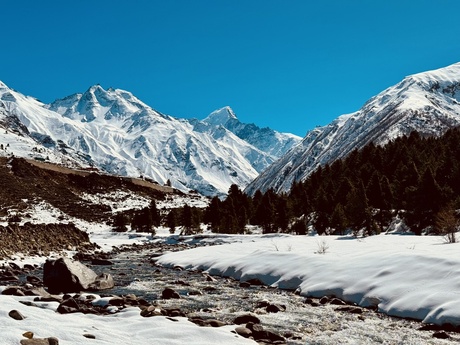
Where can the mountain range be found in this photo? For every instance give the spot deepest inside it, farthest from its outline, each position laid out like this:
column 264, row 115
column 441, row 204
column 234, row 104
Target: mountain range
column 427, row 102
column 117, row 133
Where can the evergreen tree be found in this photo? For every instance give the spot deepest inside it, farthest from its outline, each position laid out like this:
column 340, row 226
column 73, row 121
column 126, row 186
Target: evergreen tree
column 171, row 221
column 321, row 223
column 120, row 222
column 300, row 227
column 426, row 199
column 374, row 191
column 357, row 208
column 186, row 220
column 256, row 200
column 282, row 214
column 213, row 214
column 339, row 220
column 266, row 212
column 142, row 221
column 155, row 214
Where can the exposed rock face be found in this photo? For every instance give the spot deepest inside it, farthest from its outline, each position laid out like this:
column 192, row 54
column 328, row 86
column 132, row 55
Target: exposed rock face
column 66, row 275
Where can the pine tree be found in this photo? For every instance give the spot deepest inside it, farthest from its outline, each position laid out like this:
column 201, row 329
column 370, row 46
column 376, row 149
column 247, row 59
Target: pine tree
column 282, row 214
column 213, row 214
column 142, row 221
column 357, row 208
column 155, row 214
column 266, row 212
column 299, row 227
column 321, row 223
column 186, row 220
column 120, row 222
column 339, row 220
column 426, row 199
column 171, row 221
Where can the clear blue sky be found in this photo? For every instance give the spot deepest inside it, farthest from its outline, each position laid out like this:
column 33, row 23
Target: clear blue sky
column 289, row 65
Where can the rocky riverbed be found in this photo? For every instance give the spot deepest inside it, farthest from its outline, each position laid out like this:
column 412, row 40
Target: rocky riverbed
column 279, row 317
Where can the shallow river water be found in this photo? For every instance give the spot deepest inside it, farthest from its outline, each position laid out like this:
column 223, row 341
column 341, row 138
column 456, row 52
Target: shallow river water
column 223, row 299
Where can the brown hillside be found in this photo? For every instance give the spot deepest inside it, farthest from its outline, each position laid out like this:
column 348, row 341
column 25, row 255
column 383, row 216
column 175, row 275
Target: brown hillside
column 23, row 182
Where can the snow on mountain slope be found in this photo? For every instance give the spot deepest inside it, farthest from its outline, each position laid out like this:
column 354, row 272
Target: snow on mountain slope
column 21, row 137
column 267, row 140
column 141, row 141
column 116, row 132
column 427, row 102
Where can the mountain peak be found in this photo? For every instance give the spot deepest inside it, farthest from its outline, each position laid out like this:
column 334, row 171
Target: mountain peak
column 220, row 116
column 96, row 91
column 427, row 102
column 96, row 87
column 3, row 85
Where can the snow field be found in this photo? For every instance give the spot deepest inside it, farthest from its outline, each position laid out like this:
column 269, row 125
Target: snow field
column 405, row 276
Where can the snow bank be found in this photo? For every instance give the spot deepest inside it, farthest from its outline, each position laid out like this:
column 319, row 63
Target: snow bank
column 126, row 327
column 406, row 276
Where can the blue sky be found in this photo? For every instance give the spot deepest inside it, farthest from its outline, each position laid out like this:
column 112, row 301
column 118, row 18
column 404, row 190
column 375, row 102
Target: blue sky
column 289, row 65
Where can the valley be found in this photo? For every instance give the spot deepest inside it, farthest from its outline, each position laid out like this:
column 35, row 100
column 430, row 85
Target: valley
column 349, row 233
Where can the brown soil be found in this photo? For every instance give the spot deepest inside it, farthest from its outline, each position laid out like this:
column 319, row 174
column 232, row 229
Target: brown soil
column 23, row 182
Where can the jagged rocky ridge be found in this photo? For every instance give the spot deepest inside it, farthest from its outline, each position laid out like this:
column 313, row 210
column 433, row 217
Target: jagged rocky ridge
column 427, row 102
column 119, row 134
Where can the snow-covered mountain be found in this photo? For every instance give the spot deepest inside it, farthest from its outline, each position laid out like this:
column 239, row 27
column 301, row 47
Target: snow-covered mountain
column 265, row 139
column 117, row 133
column 427, row 102
column 21, row 137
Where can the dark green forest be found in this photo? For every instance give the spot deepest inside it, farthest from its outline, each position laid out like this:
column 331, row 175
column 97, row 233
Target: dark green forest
column 414, row 178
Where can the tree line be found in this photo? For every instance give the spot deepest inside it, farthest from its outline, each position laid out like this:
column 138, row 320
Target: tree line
column 148, row 218
column 414, row 178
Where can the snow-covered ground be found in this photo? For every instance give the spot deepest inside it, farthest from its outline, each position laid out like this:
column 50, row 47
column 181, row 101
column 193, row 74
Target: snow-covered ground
column 403, row 275
column 126, row 327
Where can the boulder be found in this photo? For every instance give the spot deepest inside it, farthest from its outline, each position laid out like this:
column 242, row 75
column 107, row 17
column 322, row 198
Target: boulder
column 337, row 301
column 324, row 300
column 66, row 275
column 40, row 341
column 274, row 308
column 243, row 331
column 245, row 319
column 268, row 337
column 14, row 290
column 103, row 281
column 169, row 293
column 101, row 262
column 255, row 281
column 441, row 335
column 14, row 314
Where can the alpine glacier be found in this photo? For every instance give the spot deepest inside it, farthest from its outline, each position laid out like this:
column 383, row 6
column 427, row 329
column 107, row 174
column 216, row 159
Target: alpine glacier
column 427, row 102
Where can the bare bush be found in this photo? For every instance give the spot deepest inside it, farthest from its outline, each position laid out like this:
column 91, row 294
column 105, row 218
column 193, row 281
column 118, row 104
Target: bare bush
column 323, row 247
column 447, row 223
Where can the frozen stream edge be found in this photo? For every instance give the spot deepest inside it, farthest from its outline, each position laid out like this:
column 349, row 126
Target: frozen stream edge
column 312, row 325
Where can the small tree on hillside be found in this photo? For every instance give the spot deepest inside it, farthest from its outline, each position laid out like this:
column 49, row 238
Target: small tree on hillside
column 142, row 221
column 119, row 222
